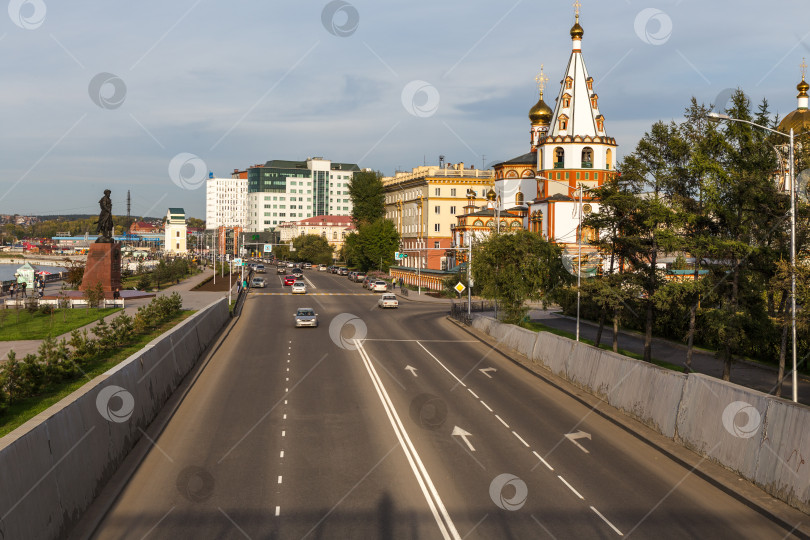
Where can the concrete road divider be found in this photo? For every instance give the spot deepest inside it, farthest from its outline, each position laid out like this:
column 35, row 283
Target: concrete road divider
column 783, row 469
column 762, row 438
column 54, row 465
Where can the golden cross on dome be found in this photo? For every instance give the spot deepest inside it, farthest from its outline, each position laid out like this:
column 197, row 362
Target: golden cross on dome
column 541, row 80
column 577, row 5
column 802, row 66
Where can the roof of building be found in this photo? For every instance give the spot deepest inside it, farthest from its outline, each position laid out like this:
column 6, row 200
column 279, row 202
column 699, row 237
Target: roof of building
column 330, row 220
column 287, row 164
column 490, row 212
column 526, row 159
column 177, row 211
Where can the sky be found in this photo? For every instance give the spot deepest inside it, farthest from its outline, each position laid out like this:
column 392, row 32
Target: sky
column 150, row 96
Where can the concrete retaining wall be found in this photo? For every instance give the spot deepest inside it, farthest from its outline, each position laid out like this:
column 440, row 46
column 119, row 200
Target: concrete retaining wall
column 55, row 465
column 762, row 438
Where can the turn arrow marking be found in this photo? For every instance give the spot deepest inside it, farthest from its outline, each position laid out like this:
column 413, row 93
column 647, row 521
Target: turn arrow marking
column 458, row 432
column 578, row 435
column 486, row 371
column 412, row 370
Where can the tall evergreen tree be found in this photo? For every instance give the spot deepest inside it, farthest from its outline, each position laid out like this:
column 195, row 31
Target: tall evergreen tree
column 368, row 197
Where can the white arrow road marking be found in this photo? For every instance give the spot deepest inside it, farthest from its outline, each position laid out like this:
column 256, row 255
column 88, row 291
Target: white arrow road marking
column 578, row 435
column 486, row 371
column 458, row 432
column 412, row 370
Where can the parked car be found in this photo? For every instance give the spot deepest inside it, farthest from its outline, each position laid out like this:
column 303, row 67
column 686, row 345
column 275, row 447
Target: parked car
column 380, row 286
column 306, row 317
column 299, row 287
column 388, row 300
column 322, row 268
column 344, row 271
column 351, row 275
column 365, row 281
column 359, row 277
column 289, row 280
column 258, row 282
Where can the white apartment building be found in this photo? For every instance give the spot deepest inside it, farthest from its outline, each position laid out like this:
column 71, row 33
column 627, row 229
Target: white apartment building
column 281, row 191
column 226, row 202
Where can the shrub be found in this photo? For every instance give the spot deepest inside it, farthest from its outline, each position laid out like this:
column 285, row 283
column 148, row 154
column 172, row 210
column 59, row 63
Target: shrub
column 144, row 282
column 83, row 346
column 31, row 305
column 121, row 329
column 46, row 309
column 33, row 374
column 14, row 381
column 104, row 335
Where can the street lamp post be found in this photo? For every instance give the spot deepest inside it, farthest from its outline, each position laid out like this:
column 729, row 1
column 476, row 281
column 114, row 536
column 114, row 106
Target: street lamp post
column 718, row 117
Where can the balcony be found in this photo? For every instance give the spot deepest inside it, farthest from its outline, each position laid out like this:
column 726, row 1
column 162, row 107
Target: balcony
column 587, row 164
column 559, row 165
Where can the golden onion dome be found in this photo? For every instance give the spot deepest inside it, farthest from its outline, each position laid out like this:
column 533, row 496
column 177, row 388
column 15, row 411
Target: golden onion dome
column 803, row 87
column 540, row 113
column 576, row 30
column 519, row 198
column 799, row 120
column 491, row 195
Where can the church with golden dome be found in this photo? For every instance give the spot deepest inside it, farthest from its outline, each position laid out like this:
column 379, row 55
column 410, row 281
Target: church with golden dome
column 799, row 122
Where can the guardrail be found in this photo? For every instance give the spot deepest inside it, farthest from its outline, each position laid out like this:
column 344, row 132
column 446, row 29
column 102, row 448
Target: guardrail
column 459, row 310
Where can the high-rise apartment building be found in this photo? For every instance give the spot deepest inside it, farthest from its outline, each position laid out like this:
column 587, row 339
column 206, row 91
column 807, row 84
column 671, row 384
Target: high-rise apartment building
column 281, row 191
column 226, row 202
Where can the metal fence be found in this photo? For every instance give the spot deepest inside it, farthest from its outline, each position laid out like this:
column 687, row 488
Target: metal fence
column 459, row 310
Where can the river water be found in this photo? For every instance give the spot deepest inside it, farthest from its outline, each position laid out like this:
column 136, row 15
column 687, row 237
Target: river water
column 7, row 270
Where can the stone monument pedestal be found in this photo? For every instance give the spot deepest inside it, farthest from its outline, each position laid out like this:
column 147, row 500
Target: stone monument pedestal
column 103, row 266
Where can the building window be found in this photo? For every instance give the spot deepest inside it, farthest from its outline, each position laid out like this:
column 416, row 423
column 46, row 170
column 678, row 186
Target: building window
column 177, row 234
column 453, row 210
column 587, row 157
column 559, row 159
column 437, row 192
column 593, row 101
column 452, row 192
column 566, row 101
column 435, row 227
column 437, row 209
column 436, row 245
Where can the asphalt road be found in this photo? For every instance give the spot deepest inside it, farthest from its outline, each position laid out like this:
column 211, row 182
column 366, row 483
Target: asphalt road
column 398, row 424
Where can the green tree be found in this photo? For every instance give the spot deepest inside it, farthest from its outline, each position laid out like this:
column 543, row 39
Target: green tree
column 313, row 248
column 516, row 267
column 377, row 242
column 368, row 197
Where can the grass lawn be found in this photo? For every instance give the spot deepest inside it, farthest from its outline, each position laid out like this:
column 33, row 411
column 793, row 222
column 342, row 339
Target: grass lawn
column 17, row 324
column 22, row 411
column 538, row 327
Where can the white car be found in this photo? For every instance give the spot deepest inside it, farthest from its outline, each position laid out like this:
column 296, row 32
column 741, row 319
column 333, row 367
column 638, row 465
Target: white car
column 299, row 287
column 258, row 282
column 306, row 317
column 380, row 286
column 388, row 300
column 322, row 268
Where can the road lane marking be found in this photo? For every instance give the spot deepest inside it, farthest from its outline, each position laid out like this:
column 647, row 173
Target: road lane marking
column 520, row 439
column 538, row 456
column 279, row 479
column 308, row 281
column 283, row 433
column 486, row 371
column 578, row 435
column 612, row 526
column 473, row 393
column 571, row 487
column 284, row 417
column 281, row 454
column 445, row 367
column 502, row 422
column 439, row 511
column 458, row 432
column 487, row 406
column 425, row 340
column 278, row 510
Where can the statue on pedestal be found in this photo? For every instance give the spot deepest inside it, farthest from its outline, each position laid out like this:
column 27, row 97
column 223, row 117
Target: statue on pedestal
column 105, row 221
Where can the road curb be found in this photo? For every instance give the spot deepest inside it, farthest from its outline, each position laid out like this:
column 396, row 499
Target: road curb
column 723, row 479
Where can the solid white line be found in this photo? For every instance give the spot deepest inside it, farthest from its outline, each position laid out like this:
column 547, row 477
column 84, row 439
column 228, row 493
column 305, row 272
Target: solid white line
column 308, row 281
column 501, row 419
column 612, row 526
column 485, row 405
column 520, row 439
column 445, row 367
column 278, row 510
column 473, row 393
column 571, row 487
column 543, row 460
column 445, row 523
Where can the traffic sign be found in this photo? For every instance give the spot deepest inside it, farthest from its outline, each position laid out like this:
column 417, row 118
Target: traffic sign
column 460, row 287
column 268, row 248
column 399, row 255
column 237, row 262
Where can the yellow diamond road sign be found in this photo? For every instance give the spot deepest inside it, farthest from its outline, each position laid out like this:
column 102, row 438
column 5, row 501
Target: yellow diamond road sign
column 460, row 287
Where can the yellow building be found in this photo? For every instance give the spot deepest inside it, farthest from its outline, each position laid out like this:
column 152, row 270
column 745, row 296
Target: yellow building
column 424, row 203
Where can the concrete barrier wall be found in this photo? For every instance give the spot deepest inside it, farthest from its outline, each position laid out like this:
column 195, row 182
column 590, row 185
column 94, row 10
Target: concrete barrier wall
column 762, row 438
column 55, row 465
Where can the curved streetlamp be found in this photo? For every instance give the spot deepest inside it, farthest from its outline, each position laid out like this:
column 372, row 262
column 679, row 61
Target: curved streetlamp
column 720, row 117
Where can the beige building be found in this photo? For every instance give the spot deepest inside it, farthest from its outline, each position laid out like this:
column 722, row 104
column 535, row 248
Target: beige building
column 175, row 231
column 424, row 203
column 334, row 229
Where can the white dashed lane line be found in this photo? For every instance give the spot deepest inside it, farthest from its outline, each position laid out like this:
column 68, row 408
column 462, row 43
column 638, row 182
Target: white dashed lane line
column 612, row 526
column 571, row 487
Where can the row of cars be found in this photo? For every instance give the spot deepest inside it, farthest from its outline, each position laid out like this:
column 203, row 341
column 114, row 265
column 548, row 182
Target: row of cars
column 387, row 299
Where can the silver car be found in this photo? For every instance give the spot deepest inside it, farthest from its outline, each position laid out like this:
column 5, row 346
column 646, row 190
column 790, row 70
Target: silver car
column 306, row 317
column 258, row 282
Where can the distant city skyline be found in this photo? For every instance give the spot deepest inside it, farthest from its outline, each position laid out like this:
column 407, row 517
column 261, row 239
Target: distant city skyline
column 150, row 97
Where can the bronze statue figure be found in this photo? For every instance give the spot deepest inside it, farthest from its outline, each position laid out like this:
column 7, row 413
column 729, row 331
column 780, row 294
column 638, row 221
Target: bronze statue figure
column 105, row 221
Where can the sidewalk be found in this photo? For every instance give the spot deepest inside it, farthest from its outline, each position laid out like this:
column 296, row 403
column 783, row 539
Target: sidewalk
column 744, row 373
column 191, row 300
column 414, row 296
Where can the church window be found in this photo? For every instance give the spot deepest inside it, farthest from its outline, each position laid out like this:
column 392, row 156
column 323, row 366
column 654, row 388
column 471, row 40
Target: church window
column 589, row 82
column 559, row 158
column 608, row 158
column 587, row 157
column 478, row 223
column 566, row 101
column 512, row 174
column 563, row 122
column 569, row 83
column 594, row 100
